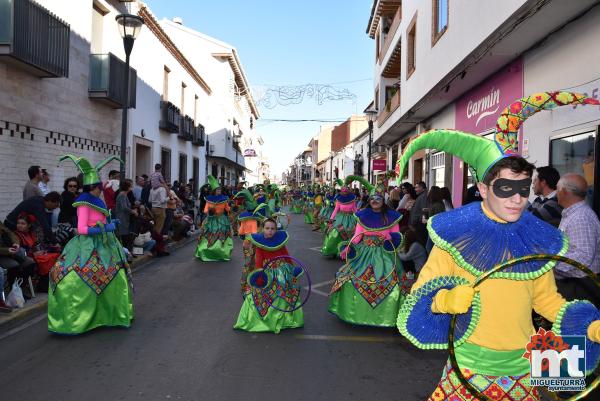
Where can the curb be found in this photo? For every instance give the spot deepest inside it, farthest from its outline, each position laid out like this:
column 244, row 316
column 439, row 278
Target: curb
column 40, row 303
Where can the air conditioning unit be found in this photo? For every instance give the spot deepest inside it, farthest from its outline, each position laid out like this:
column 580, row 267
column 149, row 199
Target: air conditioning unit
column 211, row 148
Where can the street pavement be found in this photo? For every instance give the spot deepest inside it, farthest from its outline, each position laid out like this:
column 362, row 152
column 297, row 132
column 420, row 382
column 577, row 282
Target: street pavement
column 181, row 345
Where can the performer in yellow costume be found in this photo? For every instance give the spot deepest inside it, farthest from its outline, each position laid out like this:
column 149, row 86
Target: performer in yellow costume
column 494, row 322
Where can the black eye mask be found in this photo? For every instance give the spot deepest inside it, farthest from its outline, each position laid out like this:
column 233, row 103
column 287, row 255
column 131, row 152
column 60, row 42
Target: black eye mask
column 505, row 188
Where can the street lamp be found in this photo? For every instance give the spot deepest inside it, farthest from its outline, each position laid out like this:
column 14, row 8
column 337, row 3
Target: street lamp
column 371, row 113
column 331, row 154
column 129, row 27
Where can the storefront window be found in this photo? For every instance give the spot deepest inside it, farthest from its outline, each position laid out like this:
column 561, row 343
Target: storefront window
column 575, row 154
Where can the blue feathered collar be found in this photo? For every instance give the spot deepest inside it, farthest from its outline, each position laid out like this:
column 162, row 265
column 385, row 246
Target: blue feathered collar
column 274, row 243
column 216, row 198
column 345, row 198
column 371, row 220
column 89, row 200
column 477, row 243
column 330, row 197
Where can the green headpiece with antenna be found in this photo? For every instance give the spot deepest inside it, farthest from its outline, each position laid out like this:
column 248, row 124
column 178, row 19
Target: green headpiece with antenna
column 351, row 178
column 213, row 182
column 91, row 174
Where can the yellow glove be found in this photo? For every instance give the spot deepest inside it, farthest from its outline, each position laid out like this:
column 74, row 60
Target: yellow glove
column 456, row 300
column 593, row 331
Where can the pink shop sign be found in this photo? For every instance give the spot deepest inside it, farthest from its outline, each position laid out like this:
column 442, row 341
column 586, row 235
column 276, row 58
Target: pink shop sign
column 478, row 110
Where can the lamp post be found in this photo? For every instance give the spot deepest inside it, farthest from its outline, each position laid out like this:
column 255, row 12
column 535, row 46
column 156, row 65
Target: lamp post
column 371, row 113
column 331, row 154
column 129, row 28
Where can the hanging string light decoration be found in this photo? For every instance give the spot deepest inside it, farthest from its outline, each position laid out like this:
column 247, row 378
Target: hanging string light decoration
column 273, row 96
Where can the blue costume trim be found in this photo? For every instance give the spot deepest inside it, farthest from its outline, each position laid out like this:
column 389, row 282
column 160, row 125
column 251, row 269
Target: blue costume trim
column 573, row 319
column 87, row 199
column 371, row 220
column 478, row 243
column 345, row 198
column 216, row 198
column 274, row 243
column 428, row 330
column 396, row 240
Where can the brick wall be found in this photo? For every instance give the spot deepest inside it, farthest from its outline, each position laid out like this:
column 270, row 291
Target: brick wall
column 340, row 136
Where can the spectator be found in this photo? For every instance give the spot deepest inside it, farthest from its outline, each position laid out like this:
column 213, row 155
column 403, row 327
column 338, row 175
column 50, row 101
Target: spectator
column 394, row 200
column 144, row 237
column 473, row 195
column 123, row 212
column 43, row 184
column 435, row 202
column 14, row 259
column 38, row 207
column 158, row 199
column 412, row 251
column 68, row 213
column 545, row 206
column 146, row 192
column 110, row 189
column 139, row 186
column 447, row 198
column 31, row 187
column 172, row 204
column 408, row 197
column 156, row 178
column 416, row 212
column 28, row 240
column 581, row 225
column 3, row 307
column 175, row 186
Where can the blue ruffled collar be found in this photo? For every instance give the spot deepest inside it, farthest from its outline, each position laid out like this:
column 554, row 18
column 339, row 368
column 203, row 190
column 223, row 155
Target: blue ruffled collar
column 370, row 219
column 345, row 198
column 216, row 198
column 478, row 243
column 87, row 199
column 274, row 243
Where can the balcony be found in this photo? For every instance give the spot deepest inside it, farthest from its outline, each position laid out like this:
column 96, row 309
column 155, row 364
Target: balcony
column 34, row 39
column 198, row 135
column 107, row 81
column 392, row 32
column 391, row 105
column 186, row 128
column 170, row 117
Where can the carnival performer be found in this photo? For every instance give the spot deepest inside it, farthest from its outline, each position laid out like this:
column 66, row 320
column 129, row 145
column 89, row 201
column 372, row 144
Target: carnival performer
column 309, row 206
column 237, row 207
column 342, row 222
column 326, row 209
column 215, row 242
column 494, row 320
column 297, row 201
column 89, row 284
column 367, row 289
column 261, row 291
column 319, row 202
column 252, row 217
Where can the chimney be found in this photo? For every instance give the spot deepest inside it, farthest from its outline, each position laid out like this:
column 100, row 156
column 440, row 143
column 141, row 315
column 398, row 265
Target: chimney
column 178, row 20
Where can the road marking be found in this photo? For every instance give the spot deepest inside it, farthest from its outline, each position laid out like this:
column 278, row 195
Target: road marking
column 367, row 339
column 323, row 283
column 23, row 326
column 322, row 293
column 316, row 248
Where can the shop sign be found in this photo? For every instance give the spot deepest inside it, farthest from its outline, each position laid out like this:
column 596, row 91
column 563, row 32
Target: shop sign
column 249, row 153
column 379, row 165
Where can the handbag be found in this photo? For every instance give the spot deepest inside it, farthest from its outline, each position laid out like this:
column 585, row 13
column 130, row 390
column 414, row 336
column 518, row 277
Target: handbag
column 15, row 298
column 141, row 239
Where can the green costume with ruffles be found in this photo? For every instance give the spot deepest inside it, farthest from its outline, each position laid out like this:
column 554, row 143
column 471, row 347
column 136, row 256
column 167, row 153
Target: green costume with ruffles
column 279, row 287
column 215, row 242
column 367, row 289
column 342, row 228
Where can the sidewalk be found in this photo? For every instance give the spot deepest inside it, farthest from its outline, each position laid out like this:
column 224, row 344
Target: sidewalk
column 40, row 302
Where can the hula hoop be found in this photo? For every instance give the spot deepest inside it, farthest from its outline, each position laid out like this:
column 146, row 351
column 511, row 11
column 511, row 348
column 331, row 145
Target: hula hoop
column 301, row 265
column 475, row 392
column 381, row 279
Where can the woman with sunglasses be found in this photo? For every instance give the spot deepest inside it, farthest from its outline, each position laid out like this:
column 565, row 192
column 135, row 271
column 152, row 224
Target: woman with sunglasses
column 367, row 289
column 68, row 212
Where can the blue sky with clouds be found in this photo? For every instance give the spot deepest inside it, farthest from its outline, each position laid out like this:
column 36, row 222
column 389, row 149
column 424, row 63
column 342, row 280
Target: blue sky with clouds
column 290, row 43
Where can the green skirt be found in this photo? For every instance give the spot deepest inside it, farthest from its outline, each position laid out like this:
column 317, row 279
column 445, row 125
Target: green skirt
column 308, row 217
column 89, row 286
column 342, row 229
column 274, row 321
column 215, row 242
column 367, row 290
column 297, row 205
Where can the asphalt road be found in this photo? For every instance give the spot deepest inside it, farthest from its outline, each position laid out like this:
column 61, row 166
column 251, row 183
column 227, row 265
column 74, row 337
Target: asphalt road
column 182, row 346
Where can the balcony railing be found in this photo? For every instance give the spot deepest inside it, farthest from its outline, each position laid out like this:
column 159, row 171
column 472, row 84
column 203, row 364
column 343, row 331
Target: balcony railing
column 186, row 127
column 390, row 35
column 34, row 39
column 392, row 104
column 198, row 135
column 170, row 117
column 107, row 81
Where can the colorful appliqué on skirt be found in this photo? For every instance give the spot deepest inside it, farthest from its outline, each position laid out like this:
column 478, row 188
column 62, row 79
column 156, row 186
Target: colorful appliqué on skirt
column 93, row 273
column 284, row 286
column 497, row 388
column 374, row 291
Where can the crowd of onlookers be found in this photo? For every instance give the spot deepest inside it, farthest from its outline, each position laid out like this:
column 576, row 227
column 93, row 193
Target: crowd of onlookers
column 150, row 213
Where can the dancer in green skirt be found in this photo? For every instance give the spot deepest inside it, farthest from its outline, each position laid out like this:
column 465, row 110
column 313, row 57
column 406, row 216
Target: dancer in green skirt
column 297, row 201
column 309, row 206
column 282, row 290
column 89, row 284
column 215, row 242
column 367, row 289
column 342, row 221
column 326, row 210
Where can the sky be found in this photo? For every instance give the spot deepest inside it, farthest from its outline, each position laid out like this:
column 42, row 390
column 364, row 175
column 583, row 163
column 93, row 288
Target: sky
column 288, row 43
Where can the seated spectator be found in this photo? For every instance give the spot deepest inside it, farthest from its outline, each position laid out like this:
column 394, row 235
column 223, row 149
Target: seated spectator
column 144, row 238
column 545, row 206
column 412, row 250
column 3, row 307
column 123, row 212
column 145, row 221
column 39, row 207
column 14, row 259
column 182, row 223
column 68, row 213
column 581, row 225
column 27, row 237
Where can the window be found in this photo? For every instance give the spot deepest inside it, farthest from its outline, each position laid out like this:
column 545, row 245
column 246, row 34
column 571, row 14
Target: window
column 183, row 86
column 411, row 37
column 377, row 47
column 165, row 94
column 182, row 168
column 575, row 154
column 439, row 21
column 438, row 168
column 165, row 162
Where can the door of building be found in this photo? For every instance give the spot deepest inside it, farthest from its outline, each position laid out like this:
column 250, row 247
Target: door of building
column 417, row 171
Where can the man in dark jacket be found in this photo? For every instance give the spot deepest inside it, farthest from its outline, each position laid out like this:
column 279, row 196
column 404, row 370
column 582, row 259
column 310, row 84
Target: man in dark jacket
column 41, row 208
column 545, row 206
